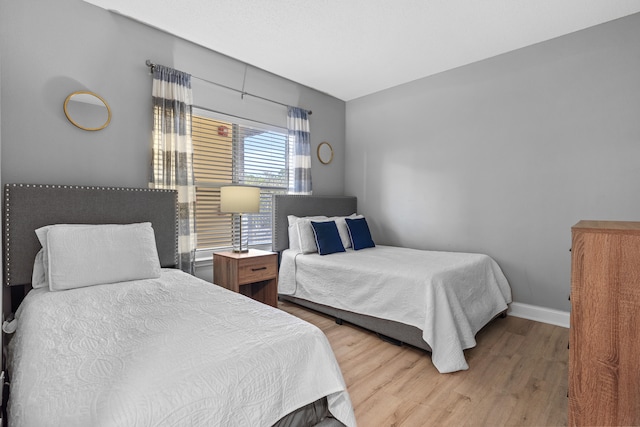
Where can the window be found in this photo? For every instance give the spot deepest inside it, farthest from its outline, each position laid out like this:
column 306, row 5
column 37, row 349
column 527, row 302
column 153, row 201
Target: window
column 229, row 150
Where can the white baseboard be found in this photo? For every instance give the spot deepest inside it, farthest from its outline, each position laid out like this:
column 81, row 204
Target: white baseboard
column 539, row 314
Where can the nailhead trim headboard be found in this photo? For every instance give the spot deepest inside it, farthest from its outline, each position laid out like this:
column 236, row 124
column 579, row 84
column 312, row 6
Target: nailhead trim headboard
column 299, row 205
column 30, row 206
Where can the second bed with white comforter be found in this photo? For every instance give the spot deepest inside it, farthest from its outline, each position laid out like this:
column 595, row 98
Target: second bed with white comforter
column 450, row 296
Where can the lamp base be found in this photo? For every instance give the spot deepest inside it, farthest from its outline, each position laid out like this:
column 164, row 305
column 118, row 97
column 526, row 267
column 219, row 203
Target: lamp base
column 240, row 251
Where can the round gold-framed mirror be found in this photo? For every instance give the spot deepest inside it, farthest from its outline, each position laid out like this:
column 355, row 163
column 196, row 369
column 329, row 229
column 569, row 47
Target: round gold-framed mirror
column 87, row 110
column 325, row 153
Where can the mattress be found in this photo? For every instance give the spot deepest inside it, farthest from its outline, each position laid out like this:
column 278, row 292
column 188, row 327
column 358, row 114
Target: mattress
column 449, row 296
column 170, row 351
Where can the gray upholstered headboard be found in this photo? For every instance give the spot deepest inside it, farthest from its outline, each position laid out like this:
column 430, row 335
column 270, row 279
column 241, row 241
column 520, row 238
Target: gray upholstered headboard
column 30, row 206
column 284, row 205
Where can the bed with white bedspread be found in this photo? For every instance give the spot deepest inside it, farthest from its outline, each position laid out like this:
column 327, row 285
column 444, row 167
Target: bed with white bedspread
column 435, row 300
column 169, row 351
column 449, row 296
column 110, row 333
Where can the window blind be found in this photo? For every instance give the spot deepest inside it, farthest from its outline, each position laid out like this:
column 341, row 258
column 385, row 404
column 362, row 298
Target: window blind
column 230, row 150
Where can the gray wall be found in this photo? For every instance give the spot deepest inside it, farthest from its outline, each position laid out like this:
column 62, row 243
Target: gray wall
column 51, row 49
column 503, row 156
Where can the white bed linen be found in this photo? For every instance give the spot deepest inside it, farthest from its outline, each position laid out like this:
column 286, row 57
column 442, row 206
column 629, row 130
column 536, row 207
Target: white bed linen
column 450, row 296
column 173, row 351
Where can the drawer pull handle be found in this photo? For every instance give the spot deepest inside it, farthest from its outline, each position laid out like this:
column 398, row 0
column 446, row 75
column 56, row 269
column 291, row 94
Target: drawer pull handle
column 258, row 269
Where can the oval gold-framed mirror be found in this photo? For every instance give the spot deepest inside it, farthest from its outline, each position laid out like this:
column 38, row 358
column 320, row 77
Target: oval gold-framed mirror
column 325, row 153
column 87, row 110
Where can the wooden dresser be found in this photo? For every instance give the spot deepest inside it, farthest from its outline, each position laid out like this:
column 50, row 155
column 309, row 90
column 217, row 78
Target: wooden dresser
column 604, row 340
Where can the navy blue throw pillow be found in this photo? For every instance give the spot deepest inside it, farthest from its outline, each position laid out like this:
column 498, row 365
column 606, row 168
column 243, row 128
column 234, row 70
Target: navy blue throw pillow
column 327, row 237
column 359, row 233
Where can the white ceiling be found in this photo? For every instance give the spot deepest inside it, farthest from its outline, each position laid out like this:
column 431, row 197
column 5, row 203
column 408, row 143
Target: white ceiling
column 351, row 48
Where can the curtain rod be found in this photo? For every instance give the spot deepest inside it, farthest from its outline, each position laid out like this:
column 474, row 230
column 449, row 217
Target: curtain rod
column 242, row 92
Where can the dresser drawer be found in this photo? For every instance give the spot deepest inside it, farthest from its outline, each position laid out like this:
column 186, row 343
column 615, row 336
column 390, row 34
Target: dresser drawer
column 257, row 269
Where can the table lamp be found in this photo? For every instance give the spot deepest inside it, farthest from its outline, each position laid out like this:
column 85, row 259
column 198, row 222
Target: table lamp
column 239, row 199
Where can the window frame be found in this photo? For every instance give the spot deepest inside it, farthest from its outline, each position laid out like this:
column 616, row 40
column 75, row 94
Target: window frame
column 206, row 253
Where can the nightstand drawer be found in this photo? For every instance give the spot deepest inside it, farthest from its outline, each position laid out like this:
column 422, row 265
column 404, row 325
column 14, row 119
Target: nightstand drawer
column 257, row 269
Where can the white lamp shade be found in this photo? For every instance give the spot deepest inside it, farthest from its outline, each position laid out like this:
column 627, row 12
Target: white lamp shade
column 239, row 199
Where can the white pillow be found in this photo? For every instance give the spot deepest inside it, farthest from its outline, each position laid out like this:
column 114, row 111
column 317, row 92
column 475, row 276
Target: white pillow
column 86, row 255
column 42, row 233
column 294, row 238
column 295, row 219
column 292, row 219
column 38, row 279
column 304, row 231
column 342, row 228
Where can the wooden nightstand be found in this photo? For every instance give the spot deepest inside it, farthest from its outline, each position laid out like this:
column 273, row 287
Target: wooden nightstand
column 253, row 274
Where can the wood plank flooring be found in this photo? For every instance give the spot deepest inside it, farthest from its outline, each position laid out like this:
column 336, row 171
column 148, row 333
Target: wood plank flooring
column 517, row 376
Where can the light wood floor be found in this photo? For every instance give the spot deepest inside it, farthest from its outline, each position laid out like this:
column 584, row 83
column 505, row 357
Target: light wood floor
column 517, row 376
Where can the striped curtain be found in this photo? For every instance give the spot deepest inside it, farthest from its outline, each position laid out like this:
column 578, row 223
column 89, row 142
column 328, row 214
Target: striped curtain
column 172, row 154
column 300, row 137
